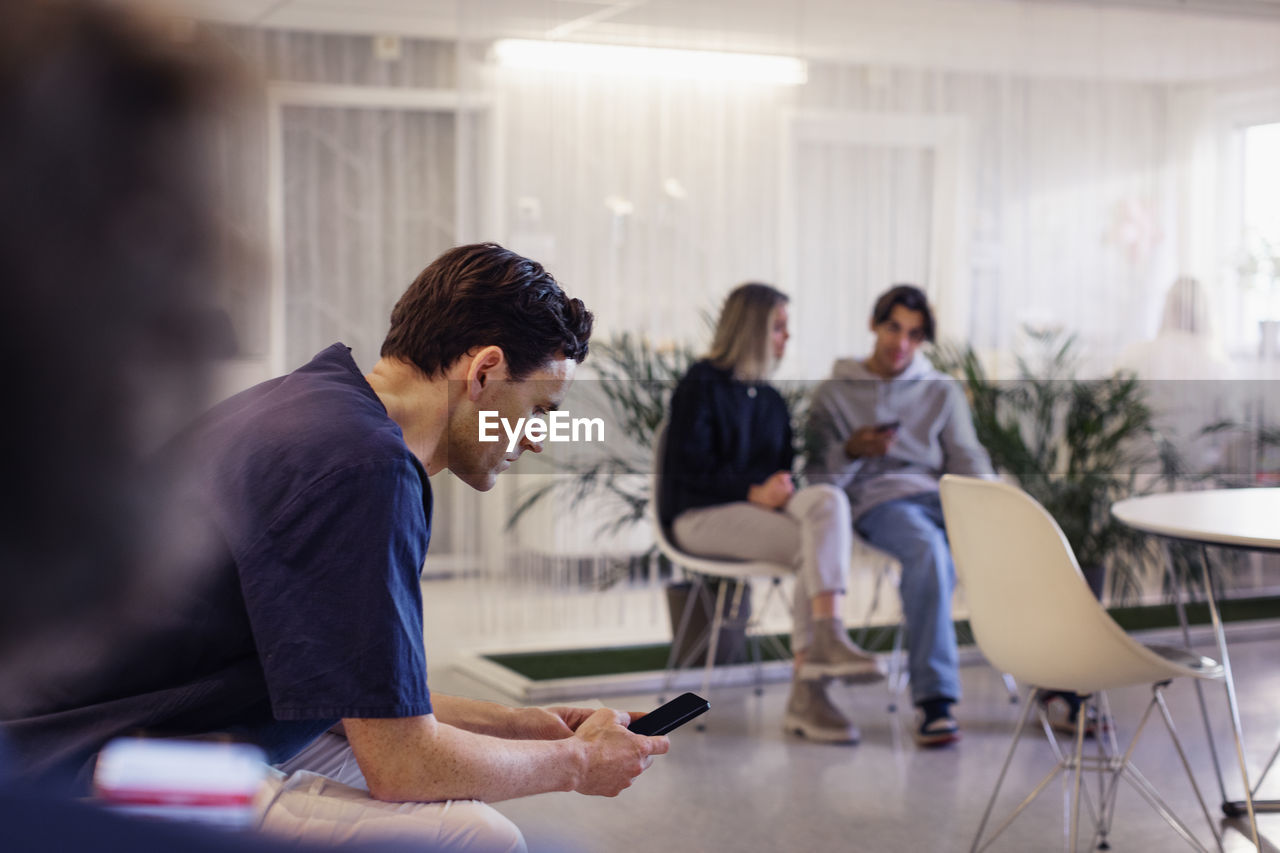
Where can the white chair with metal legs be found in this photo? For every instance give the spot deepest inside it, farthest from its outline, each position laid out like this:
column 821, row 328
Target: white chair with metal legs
column 1034, row 617
column 701, row 570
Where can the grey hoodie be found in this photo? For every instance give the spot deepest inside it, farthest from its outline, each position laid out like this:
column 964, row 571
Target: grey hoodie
column 935, row 433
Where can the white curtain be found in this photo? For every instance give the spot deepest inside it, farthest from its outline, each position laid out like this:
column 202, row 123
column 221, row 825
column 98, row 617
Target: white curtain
column 358, row 223
column 1046, row 201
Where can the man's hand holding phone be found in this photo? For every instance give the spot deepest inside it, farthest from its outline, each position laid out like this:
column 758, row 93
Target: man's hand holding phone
column 871, row 441
column 612, row 755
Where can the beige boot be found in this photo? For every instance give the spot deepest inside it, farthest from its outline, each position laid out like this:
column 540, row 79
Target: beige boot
column 834, row 655
column 811, row 715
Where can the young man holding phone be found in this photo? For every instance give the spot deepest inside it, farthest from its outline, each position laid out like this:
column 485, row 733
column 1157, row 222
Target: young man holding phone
column 885, row 429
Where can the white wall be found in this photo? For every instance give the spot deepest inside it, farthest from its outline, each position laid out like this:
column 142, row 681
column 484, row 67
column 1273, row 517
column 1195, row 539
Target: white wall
column 1062, row 177
column 1071, row 201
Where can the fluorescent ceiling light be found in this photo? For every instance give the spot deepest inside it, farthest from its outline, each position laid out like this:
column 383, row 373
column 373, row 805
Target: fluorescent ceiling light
column 650, row 61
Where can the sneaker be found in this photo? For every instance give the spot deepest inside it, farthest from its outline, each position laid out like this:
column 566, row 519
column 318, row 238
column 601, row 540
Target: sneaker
column 834, row 655
column 937, row 727
column 811, row 715
column 1061, row 712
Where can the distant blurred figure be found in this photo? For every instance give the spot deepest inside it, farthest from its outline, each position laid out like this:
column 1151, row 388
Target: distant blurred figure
column 1186, row 346
column 107, row 255
column 1188, row 385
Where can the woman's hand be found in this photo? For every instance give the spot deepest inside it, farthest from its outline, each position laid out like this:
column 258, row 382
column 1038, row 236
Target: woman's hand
column 774, row 492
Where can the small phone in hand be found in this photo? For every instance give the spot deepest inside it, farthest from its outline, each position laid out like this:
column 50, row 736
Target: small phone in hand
column 888, row 426
column 674, row 714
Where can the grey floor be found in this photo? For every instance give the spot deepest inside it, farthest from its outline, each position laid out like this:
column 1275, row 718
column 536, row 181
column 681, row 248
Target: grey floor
column 743, row 785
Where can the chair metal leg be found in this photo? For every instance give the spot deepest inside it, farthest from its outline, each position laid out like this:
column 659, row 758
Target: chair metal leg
column 1028, row 800
column 896, row 677
column 1124, row 768
column 674, row 665
column 1148, row 792
column 865, row 630
column 1011, row 686
column 722, row 615
column 1032, row 693
column 775, row 590
column 1102, row 829
column 898, row 673
column 1096, row 816
column 1265, row 770
column 1111, row 767
column 752, row 637
column 1079, row 767
column 1062, row 762
column 1108, row 722
column 717, row 621
column 1126, row 759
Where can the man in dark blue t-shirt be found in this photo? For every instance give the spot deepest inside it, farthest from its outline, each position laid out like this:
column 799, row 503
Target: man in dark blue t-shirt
column 310, row 511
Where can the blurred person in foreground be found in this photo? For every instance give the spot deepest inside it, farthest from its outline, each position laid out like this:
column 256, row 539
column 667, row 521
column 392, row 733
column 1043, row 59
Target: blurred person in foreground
column 106, row 256
column 265, row 583
column 727, row 491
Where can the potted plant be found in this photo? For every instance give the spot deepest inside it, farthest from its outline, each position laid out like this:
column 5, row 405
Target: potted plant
column 1076, row 446
column 636, row 379
column 1260, row 268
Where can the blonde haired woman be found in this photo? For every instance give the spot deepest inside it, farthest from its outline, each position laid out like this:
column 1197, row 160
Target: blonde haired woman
column 727, row 492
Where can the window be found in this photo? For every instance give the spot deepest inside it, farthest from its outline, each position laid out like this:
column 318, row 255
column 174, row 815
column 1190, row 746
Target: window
column 1260, row 219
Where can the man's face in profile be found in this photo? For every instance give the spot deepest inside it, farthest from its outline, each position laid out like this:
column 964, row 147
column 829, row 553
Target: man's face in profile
column 478, row 463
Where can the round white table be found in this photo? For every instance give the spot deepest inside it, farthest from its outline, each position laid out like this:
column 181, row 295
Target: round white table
column 1235, row 518
column 1230, row 518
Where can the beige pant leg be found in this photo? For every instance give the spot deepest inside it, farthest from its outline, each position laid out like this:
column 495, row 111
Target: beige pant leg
column 812, row 533
column 312, row 805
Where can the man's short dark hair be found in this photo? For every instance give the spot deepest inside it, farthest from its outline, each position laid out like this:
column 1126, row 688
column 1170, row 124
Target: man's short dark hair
column 908, row 296
column 481, row 295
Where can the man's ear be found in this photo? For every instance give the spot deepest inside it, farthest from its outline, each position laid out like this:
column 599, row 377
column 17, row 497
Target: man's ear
column 487, row 365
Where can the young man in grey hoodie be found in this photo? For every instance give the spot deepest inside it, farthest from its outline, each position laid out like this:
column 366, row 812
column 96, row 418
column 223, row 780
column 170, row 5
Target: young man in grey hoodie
column 885, row 429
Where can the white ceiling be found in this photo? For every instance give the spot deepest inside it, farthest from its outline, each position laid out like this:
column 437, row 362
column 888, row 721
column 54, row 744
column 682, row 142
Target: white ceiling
column 1160, row 40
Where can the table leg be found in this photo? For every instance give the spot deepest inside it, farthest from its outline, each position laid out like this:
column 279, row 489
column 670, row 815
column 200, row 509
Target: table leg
column 1260, row 806
column 1186, row 636
column 1234, row 708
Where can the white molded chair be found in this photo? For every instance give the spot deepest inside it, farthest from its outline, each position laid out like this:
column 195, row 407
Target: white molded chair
column 700, row 571
column 1034, row 617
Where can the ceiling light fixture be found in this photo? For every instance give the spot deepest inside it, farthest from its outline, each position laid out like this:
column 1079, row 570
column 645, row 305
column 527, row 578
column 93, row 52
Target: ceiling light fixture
column 650, row 61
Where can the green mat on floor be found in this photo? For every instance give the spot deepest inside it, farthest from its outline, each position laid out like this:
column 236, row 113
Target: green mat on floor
column 581, row 663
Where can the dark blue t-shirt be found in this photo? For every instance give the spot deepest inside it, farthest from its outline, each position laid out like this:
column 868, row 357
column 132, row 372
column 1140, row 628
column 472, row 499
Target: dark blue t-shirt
column 312, row 519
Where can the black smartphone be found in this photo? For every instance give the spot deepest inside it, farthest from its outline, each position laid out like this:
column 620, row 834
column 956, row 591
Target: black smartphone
column 888, row 426
column 674, row 714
